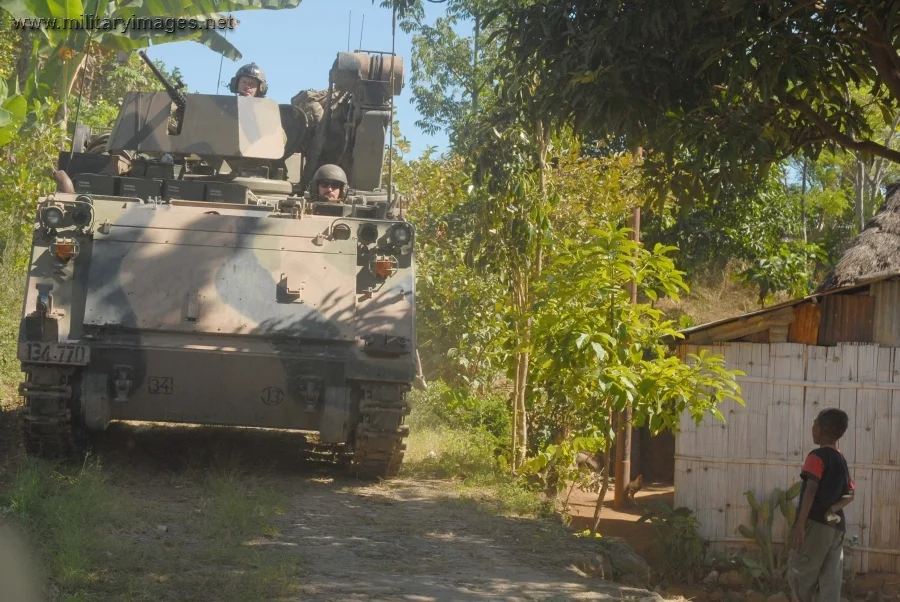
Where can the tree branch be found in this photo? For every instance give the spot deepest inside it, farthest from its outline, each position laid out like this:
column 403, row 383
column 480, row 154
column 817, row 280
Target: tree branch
column 845, row 140
column 884, row 57
column 796, row 8
column 799, row 146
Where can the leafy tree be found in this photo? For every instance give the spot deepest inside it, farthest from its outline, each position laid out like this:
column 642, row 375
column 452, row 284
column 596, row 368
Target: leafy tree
column 714, row 91
column 25, row 171
column 107, row 82
column 535, row 193
column 9, row 39
column 513, row 211
column 13, row 110
column 461, row 314
column 59, row 54
column 598, row 353
column 451, row 72
column 857, row 175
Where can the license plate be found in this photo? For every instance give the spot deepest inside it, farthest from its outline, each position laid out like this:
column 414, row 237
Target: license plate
column 54, row 353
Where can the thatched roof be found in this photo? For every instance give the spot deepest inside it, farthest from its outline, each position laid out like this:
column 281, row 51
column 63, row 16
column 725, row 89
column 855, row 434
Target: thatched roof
column 876, row 249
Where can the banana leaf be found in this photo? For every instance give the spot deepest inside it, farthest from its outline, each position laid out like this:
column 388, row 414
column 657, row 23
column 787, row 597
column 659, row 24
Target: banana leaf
column 12, row 114
column 63, row 48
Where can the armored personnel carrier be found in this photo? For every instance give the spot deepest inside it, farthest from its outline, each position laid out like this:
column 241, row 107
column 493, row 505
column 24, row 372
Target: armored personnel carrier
column 186, row 274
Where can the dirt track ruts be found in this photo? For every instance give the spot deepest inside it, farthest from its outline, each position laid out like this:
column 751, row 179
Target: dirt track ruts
column 407, row 539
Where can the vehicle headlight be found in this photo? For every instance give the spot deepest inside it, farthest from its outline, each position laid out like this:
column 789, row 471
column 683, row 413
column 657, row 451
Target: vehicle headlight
column 52, row 216
column 401, row 234
column 367, row 233
column 341, row 232
column 81, row 216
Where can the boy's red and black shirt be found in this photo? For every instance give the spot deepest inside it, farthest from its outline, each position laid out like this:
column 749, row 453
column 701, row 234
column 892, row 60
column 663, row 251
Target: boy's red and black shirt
column 827, row 467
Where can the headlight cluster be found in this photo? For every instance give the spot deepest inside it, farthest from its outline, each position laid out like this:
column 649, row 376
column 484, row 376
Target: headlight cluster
column 58, row 214
column 381, row 253
column 399, row 235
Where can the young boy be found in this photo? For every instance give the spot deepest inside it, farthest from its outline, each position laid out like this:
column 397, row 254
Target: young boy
column 816, row 541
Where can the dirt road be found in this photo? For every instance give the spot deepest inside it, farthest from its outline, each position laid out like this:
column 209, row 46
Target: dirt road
column 269, row 527
column 412, row 541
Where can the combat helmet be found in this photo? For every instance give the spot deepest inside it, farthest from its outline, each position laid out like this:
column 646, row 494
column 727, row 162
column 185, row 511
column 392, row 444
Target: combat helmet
column 250, row 70
column 330, row 171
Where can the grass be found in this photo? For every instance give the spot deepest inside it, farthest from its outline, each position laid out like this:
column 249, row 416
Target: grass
column 467, row 457
column 13, row 251
column 97, row 540
column 715, row 296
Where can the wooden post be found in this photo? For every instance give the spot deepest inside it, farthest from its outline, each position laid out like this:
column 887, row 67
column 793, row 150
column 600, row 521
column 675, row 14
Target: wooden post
column 623, row 422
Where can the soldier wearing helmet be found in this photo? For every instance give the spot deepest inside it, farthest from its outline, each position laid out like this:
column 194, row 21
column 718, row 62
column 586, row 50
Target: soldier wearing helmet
column 249, row 81
column 330, row 183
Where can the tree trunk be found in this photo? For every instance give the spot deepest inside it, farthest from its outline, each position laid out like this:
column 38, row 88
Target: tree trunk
column 623, row 436
column 520, row 419
column 476, row 87
column 603, row 490
column 803, row 200
column 23, row 59
column 523, row 302
column 858, row 185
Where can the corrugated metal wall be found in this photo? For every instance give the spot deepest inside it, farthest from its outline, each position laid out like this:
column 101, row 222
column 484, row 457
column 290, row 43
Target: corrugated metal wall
column 846, row 319
column 887, row 312
column 805, row 327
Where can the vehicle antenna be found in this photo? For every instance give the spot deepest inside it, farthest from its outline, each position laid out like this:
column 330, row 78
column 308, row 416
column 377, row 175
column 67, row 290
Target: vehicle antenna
column 222, row 58
column 349, row 27
column 87, row 49
column 361, row 28
column 391, row 125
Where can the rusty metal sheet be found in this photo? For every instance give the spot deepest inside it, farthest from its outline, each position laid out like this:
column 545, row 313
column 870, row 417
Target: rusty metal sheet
column 887, row 313
column 847, row 319
column 864, row 283
column 805, row 327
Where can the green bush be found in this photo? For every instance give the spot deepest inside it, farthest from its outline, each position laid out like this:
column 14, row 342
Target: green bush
column 442, row 405
column 678, row 541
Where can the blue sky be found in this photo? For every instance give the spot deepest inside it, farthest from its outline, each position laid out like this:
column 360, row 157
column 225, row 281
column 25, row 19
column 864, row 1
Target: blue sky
column 296, row 48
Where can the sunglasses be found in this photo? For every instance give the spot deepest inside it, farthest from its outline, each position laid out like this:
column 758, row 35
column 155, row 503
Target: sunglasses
column 328, row 184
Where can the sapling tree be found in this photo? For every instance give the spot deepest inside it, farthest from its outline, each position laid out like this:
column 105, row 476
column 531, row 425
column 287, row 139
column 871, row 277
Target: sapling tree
column 595, row 352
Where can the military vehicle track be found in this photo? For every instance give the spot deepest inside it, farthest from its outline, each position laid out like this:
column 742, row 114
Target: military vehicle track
column 379, row 444
column 49, row 421
column 47, row 418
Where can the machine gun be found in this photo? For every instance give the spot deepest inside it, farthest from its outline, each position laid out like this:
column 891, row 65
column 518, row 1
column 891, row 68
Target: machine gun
column 174, row 92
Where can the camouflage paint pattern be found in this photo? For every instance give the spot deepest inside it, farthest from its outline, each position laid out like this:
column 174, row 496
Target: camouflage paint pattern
column 226, row 318
column 208, row 126
column 262, row 312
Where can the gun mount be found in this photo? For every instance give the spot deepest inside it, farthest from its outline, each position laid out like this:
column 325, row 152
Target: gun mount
column 263, row 148
column 212, row 126
column 174, row 92
column 352, row 129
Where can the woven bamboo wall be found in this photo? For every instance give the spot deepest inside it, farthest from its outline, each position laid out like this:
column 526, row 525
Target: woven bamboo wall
column 762, row 445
